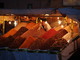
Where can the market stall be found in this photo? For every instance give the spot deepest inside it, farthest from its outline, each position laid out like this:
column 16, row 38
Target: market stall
column 41, row 33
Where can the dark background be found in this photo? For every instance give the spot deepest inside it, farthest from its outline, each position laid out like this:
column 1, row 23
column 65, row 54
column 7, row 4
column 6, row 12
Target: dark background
column 24, row 4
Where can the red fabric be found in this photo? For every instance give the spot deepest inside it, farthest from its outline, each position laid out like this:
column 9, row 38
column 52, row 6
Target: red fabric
column 49, row 34
column 27, row 42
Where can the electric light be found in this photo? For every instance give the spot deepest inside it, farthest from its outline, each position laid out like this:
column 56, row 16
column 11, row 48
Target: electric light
column 15, row 23
column 59, row 22
column 46, row 22
column 46, row 14
column 40, row 20
column 9, row 22
column 62, row 26
column 58, row 18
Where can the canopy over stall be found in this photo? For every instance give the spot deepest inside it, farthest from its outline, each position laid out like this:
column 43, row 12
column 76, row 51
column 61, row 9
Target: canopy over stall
column 26, row 11
column 71, row 13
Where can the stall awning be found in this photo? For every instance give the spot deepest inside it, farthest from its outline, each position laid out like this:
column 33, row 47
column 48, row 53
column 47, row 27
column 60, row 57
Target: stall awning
column 26, row 11
column 71, row 13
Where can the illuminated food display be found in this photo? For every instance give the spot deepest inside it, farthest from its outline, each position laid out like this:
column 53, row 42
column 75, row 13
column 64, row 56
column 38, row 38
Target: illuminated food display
column 39, row 32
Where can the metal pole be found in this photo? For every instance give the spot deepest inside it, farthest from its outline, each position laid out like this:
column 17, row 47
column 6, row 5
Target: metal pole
column 3, row 25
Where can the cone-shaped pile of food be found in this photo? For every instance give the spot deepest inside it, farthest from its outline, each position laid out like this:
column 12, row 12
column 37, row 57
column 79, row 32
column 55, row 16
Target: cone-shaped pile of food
column 45, row 33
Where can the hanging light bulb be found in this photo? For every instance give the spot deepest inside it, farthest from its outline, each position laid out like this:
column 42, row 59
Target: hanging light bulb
column 46, row 14
column 58, row 18
column 9, row 22
column 59, row 21
column 46, row 22
column 62, row 26
column 15, row 23
column 40, row 20
column 25, row 16
column 12, row 14
column 76, row 22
